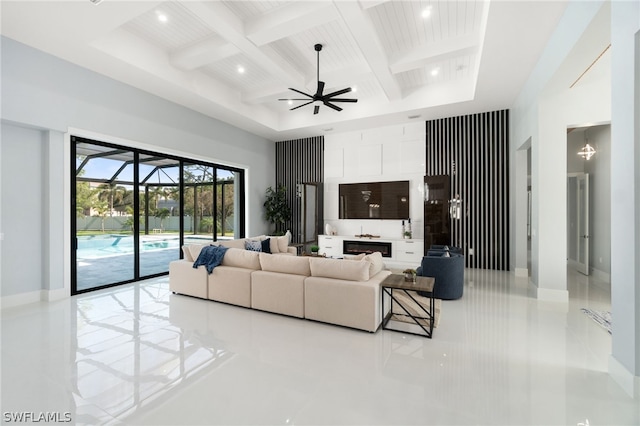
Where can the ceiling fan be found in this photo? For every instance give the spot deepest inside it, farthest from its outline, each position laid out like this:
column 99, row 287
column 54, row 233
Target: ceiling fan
column 320, row 98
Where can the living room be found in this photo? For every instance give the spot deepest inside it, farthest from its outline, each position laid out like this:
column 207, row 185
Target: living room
column 46, row 99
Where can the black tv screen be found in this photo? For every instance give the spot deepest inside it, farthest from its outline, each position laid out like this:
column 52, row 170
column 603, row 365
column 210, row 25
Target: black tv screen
column 374, row 200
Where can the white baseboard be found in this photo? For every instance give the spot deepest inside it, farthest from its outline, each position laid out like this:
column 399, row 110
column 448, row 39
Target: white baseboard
column 20, row 299
column 550, row 295
column 53, row 295
column 33, row 297
column 602, row 276
column 624, row 378
column 522, row 272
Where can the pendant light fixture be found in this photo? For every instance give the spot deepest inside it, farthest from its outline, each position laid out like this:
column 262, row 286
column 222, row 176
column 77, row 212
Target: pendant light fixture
column 587, row 150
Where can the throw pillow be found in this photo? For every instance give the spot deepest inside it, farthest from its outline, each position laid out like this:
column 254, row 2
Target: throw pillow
column 446, row 254
column 266, row 245
column 273, row 244
column 252, row 245
column 283, row 243
column 376, row 264
column 187, row 254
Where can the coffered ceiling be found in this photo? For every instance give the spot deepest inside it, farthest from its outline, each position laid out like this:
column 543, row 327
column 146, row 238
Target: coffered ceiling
column 233, row 60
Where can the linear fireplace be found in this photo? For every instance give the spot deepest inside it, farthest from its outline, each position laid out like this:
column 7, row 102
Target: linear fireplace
column 357, row 247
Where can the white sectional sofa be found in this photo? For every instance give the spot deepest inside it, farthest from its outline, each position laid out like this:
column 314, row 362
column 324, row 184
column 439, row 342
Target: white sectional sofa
column 336, row 291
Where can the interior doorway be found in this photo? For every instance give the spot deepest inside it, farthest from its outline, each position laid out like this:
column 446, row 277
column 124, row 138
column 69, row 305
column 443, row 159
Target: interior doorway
column 589, row 201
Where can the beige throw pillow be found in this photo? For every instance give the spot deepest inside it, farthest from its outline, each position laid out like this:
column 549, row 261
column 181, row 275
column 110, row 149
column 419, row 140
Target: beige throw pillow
column 376, row 264
column 186, row 254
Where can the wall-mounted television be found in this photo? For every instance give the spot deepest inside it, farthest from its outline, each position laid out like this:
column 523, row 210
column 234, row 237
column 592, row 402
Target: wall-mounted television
column 374, row 200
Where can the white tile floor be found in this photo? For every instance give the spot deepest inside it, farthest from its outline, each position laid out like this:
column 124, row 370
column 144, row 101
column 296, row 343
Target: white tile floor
column 138, row 354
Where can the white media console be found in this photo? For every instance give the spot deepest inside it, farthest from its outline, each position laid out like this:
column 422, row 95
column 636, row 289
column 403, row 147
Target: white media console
column 396, row 253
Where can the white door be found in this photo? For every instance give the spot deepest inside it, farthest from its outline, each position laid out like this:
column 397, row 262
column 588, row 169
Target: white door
column 582, row 212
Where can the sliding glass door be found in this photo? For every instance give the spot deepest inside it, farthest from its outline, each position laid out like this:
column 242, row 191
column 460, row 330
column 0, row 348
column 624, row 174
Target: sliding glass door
column 135, row 209
column 159, row 219
column 103, row 221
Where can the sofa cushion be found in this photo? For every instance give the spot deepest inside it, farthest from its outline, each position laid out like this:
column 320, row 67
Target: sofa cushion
column 241, row 258
column 376, row 263
column 340, row 269
column 253, row 245
column 285, row 264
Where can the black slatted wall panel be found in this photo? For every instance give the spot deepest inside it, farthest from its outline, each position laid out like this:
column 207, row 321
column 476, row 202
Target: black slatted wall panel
column 474, row 151
column 299, row 161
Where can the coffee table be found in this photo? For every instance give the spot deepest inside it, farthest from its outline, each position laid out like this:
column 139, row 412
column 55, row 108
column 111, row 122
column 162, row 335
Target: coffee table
column 425, row 318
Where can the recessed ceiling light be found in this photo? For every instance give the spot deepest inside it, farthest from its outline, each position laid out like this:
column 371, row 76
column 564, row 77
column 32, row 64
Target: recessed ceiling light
column 290, row 102
column 435, row 71
column 96, row 2
column 354, row 88
column 161, row 16
column 240, row 69
column 328, row 129
column 426, row 12
column 411, row 117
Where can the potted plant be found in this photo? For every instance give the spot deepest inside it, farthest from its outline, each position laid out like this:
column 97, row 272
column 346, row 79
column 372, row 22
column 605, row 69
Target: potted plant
column 276, row 208
column 409, row 275
column 407, row 235
column 314, row 250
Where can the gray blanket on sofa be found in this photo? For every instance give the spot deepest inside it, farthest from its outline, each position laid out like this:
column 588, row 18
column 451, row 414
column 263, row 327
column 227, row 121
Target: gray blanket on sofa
column 210, row 257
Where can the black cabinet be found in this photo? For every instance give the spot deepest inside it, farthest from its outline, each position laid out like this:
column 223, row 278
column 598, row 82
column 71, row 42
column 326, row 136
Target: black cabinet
column 437, row 193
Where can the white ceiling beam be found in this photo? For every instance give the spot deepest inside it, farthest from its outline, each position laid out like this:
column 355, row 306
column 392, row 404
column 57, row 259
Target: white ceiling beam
column 205, row 52
column 433, row 53
column 362, row 30
column 289, row 20
column 231, row 28
column 368, row 4
column 344, row 76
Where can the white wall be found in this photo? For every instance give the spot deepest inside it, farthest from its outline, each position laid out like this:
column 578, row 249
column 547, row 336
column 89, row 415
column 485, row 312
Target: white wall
column 52, row 97
column 625, row 194
column 542, row 113
column 375, row 155
column 23, row 202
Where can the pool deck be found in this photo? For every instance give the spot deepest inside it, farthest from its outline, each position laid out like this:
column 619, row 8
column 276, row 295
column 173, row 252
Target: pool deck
column 116, row 268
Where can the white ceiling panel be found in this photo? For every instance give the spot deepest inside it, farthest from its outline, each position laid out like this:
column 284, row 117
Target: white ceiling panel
column 181, row 28
column 246, row 9
column 386, row 49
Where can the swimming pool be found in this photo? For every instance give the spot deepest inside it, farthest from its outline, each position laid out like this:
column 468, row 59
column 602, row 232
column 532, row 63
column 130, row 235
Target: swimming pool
column 97, row 246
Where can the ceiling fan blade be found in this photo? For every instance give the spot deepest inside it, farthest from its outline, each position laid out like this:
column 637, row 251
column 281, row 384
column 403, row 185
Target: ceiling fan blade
column 299, row 106
column 294, row 99
column 337, row 108
column 320, row 88
column 302, row 93
column 337, row 93
column 341, row 100
column 316, row 109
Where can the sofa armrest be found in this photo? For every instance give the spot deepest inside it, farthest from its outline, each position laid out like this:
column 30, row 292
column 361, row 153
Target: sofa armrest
column 185, row 279
column 292, row 250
